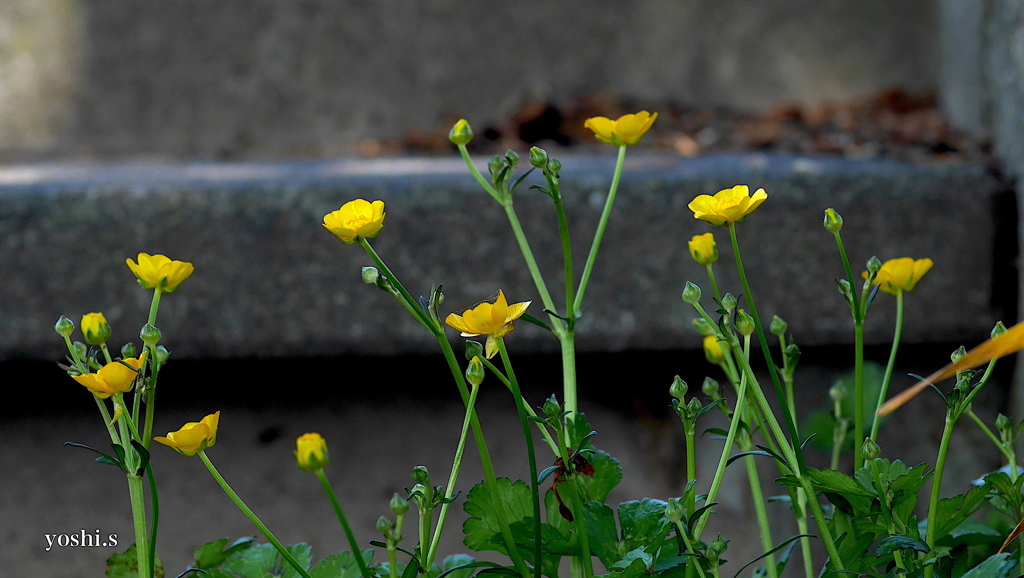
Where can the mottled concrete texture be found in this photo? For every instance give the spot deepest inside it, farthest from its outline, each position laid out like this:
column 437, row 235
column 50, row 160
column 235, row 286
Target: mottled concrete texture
column 121, row 78
column 271, row 281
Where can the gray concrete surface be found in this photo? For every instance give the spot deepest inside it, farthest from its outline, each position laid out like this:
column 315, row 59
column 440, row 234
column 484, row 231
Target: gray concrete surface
column 270, row 281
column 272, row 78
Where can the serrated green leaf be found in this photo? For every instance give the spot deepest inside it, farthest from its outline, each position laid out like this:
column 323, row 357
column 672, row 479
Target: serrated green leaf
column 213, row 554
column 303, row 554
column 482, row 531
column 333, row 566
column 996, row 566
column 607, row 475
column 579, row 433
column 126, row 565
column 454, row 561
column 599, row 519
column 891, row 544
column 640, row 521
column 634, row 555
column 953, row 511
column 257, row 561
column 1005, row 489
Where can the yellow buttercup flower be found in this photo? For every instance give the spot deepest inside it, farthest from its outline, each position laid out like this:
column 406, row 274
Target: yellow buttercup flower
column 193, row 436
column 114, row 377
column 727, row 206
column 311, row 452
column 95, row 328
column 714, row 351
column 493, row 319
column 629, row 129
column 356, row 220
column 160, row 272
column 703, row 248
column 900, row 274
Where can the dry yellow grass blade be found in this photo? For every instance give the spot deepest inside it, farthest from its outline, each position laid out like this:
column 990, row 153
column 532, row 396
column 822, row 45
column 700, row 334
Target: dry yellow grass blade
column 1010, row 342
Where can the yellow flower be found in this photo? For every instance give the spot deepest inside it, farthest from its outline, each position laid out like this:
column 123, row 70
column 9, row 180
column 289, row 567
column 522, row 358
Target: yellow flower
column 193, row 436
column 159, row 272
column 356, row 220
column 95, row 328
column 311, row 452
column 627, row 130
column 114, row 377
column 727, row 206
column 494, row 320
column 714, row 351
column 703, row 248
column 900, row 274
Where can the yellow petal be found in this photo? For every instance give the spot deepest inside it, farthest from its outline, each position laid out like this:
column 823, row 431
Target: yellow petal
column 602, row 128
column 457, row 322
column 516, row 310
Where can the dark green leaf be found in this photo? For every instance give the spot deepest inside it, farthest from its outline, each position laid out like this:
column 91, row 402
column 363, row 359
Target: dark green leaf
column 547, row 472
column 891, row 544
column 599, row 520
column 531, row 319
column 996, row 566
column 952, row 511
column 640, row 521
column 213, row 554
column 126, row 565
column 482, row 531
column 607, row 475
column 773, row 550
column 303, row 554
column 256, row 561
column 750, row 453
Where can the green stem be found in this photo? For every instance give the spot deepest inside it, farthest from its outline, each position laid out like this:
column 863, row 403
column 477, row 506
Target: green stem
column 599, row 234
column 563, row 234
column 392, row 545
column 691, row 466
column 529, row 410
column 794, row 438
column 476, row 174
column 530, row 452
column 411, row 305
column 581, row 527
column 714, row 284
column 138, row 501
column 285, row 554
column 858, row 323
column 450, row 490
column 154, row 306
column 689, row 548
column 892, row 362
column 154, row 506
column 933, row 501
column 352, row 543
column 569, row 394
column 995, row 440
column 883, row 496
column 803, row 528
column 531, row 264
column 147, row 436
column 759, row 506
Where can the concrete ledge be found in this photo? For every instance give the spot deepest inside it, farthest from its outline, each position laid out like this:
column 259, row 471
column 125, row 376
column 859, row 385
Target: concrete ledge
column 270, row 281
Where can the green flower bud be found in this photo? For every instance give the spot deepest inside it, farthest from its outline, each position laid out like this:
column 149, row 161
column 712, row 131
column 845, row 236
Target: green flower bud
column 461, row 133
column 716, row 548
column 495, row 165
column 792, row 353
column 694, row 407
column 399, row 505
column 128, row 350
column 150, row 335
column 869, row 450
column 475, row 371
column 554, row 166
column 778, row 326
column 95, row 328
column 384, row 525
column 80, row 349
column 833, row 221
column 538, row 157
column 744, row 323
column 511, row 159
column 420, row 475
column 998, row 330
column 551, row 407
column 710, row 388
column 729, row 302
column 162, row 354
column 473, row 349
column 704, row 328
column 956, row 355
column 1004, row 423
column 385, row 284
column 678, row 388
column 370, row 275
column 691, row 293
column 874, row 264
column 838, row 392
column 674, row 510
column 64, row 326
column 844, row 289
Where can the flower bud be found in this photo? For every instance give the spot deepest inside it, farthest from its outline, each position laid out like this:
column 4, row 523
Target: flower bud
column 511, row 159
column 538, row 157
column 674, row 510
column 64, row 327
column 1004, row 423
column 370, row 275
column 81, row 349
column 475, row 371
column 461, row 133
column 869, row 450
column 703, row 249
column 833, row 221
column 778, row 326
column 998, row 330
column 385, row 284
column 956, row 355
column 703, row 327
column 729, row 302
column 95, row 328
column 691, row 293
column 150, row 335
column 311, row 452
column 716, row 548
column 473, row 349
column 838, row 392
column 844, row 289
column 792, row 354
column 128, row 350
column 714, row 352
column 384, row 525
column 678, row 388
column 551, row 407
column 744, row 323
column 162, row 354
column 398, row 505
column 554, row 166
column 420, row 475
column 710, row 388
column 874, row 264
column 694, row 407
column 495, row 165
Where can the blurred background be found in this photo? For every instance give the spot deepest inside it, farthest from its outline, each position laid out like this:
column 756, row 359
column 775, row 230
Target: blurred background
column 221, row 133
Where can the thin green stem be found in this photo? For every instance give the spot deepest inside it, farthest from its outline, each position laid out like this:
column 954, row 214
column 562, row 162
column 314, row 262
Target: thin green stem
column 1008, row 454
column 450, row 489
column 529, row 410
column 689, row 548
column 858, row 393
column 759, row 505
column 352, row 543
column 599, row 234
column 892, row 362
column 154, row 306
column 933, row 501
column 581, row 527
column 150, row 393
column 714, row 284
column 531, row 264
column 142, row 544
column 285, row 554
column 563, row 234
column 154, row 506
column 411, row 305
column 569, row 394
column 476, row 174
column 691, row 465
column 883, row 496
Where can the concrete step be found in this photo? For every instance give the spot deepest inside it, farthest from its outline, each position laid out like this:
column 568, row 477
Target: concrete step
column 270, row 281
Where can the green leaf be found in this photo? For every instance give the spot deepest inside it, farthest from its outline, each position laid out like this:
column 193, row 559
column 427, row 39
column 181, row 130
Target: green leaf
column 257, row 561
column 302, row 553
column 640, row 521
column 607, row 475
column 213, row 554
column 996, row 566
column 126, row 565
column 599, row 519
column 455, row 561
column 352, row 569
column 636, row 554
column 842, row 490
column 953, row 511
column 579, row 433
column 891, row 544
column 1005, row 489
column 972, row 532
column 482, row 531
